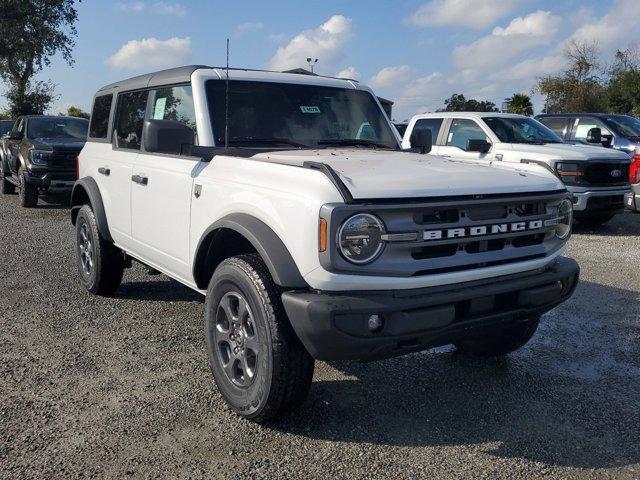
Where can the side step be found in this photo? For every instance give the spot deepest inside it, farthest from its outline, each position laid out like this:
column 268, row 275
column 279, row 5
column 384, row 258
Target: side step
column 13, row 179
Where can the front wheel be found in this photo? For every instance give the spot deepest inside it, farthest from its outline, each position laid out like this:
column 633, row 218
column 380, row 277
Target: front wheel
column 100, row 263
column 28, row 192
column 260, row 366
column 511, row 338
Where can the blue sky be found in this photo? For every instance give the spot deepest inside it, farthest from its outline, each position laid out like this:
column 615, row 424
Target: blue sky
column 414, row 52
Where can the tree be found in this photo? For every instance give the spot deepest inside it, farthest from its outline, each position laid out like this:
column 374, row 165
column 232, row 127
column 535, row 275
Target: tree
column 580, row 88
column 624, row 82
column 458, row 103
column 32, row 32
column 77, row 112
column 520, row 104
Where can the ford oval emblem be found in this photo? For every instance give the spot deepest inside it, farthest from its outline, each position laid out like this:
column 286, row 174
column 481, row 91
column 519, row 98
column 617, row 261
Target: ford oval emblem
column 616, row 173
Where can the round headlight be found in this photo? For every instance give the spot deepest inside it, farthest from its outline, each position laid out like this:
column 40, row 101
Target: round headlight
column 359, row 238
column 565, row 218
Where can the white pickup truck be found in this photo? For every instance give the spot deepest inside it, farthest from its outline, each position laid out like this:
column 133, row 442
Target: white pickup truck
column 597, row 177
column 287, row 200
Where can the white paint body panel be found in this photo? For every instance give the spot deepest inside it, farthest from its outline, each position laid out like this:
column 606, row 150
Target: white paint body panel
column 162, row 224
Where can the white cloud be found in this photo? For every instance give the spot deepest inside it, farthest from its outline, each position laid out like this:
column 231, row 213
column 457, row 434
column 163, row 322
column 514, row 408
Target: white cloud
column 462, row 13
column 504, row 44
column 248, row 27
column 531, row 68
column 151, row 52
column 390, row 76
column 160, row 8
column 326, row 43
column 277, row 37
column 614, row 29
column 349, row 72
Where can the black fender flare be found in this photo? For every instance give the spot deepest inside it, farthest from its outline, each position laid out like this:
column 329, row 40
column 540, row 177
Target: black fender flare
column 282, row 267
column 86, row 191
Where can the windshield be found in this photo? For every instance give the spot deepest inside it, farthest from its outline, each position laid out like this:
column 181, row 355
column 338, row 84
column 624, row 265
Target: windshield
column 624, row 125
column 63, row 127
column 521, row 130
column 267, row 113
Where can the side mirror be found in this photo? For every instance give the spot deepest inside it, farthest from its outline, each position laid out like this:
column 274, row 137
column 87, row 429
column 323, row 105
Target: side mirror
column 167, row 136
column 594, row 135
column 421, row 139
column 15, row 135
column 477, row 145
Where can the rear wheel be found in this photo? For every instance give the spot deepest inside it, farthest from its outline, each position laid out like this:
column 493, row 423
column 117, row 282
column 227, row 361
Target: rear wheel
column 100, row 263
column 6, row 186
column 593, row 219
column 28, row 192
column 509, row 339
column 260, row 366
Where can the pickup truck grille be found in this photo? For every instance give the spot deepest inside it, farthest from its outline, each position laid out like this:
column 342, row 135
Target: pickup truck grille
column 63, row 159
column 605, row 174
column 456, row 235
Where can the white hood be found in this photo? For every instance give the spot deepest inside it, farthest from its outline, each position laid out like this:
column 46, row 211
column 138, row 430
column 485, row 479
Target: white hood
column 565, row 151
column 370, row 174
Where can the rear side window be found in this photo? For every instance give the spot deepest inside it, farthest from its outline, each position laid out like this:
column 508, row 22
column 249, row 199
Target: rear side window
column 100, row 116
column 129, row 119
column 174, row 103
column 462, row 130
column 431, row 124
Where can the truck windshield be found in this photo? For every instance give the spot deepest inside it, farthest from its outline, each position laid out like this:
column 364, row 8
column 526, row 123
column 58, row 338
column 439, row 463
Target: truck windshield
column 521, row 130
column 63, row 127
column 301, row 116
column 624, row 125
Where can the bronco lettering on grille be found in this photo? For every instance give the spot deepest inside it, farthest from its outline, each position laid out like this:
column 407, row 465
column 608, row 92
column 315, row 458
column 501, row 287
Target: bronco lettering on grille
column 480, row 230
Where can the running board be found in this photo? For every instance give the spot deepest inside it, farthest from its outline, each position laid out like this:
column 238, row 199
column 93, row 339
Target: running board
column 13, row 179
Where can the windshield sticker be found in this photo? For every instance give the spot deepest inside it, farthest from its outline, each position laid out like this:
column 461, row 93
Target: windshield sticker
column 309, row 109
column 158, row 112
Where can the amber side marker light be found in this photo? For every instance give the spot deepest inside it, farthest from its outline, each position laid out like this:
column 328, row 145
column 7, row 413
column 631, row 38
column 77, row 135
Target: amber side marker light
column 322, row 235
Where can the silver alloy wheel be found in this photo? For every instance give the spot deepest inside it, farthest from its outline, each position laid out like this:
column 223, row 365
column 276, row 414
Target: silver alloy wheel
column 236, row 339
column 86, row 249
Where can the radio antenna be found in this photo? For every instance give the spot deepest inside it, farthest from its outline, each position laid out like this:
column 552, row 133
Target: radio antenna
column 226, row 101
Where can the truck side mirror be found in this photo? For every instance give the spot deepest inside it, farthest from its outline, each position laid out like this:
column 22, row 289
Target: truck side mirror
column 15, row 135
column 167, row 136
column 422, row 140
column 478, row 145
column 594, row 135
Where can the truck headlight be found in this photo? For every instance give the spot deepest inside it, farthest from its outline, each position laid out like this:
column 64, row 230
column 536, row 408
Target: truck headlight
column 359, row 238
column 565, row 218
column 570, row 173
column 39, row 157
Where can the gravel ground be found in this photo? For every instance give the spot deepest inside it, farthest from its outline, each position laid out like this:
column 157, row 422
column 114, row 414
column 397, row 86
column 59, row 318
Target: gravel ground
column 116, row 387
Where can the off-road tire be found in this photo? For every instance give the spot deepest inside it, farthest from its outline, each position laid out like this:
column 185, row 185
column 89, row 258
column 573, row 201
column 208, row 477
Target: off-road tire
column 6, row 186
column 593, row 219
column 107, row 266
column 28, row 193
column 501, row 343
column 284, row 369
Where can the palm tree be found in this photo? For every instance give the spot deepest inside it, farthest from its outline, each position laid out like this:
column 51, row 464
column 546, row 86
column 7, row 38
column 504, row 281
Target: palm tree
column 520, row 103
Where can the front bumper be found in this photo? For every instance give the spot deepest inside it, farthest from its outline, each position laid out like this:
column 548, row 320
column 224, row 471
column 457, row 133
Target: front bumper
column 632, row 199
column 603, row 200
column 334, row 326
column 54, row 180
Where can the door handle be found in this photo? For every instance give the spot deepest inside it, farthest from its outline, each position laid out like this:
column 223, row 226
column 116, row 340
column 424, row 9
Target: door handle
column 139, row 179
column 104, row 171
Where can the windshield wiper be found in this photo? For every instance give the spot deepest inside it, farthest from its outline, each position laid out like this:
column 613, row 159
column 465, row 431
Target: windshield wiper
column 352, row 141
column 270, row 140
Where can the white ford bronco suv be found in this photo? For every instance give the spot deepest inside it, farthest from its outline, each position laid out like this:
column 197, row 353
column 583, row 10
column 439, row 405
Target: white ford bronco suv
column 598, row 178
column 287, row 201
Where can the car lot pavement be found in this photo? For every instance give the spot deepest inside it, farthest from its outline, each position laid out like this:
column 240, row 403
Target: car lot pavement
column 119, row 387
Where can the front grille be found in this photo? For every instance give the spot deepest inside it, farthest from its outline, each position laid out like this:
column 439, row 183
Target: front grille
column 63, row 159
column 607, row 173
column 456, row 235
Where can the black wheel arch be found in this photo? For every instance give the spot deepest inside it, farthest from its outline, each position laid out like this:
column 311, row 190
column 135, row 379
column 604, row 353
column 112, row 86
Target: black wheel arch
column 86, row 192
column 237, row 233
